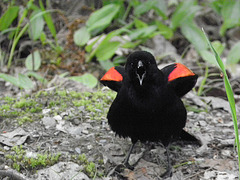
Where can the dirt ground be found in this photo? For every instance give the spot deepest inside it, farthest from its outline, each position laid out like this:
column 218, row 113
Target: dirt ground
column 73, row 131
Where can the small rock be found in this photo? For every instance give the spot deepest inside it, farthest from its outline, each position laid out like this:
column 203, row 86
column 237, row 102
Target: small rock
column 64, row 114
column 58, row 118
column 6, row 148
column 102, row 141
column 48, row 122
column 202, row 123
column 74, row 130
column 78, row 150
column 90, row 147
column 85, row 131
column 226, row 152
column 45, row 111
column 76, row 121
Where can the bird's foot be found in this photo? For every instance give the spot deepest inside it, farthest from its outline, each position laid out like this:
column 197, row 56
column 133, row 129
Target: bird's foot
column 120, row 168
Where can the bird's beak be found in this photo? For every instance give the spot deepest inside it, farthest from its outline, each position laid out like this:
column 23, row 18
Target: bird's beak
column 141, row 72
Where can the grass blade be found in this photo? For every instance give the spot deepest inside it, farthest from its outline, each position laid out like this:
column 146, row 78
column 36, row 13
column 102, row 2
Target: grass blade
column 229, row 96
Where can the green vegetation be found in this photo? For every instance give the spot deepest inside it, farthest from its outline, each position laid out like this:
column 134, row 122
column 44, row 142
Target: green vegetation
column 230, row 97
column 27, row 109
column 21, row 161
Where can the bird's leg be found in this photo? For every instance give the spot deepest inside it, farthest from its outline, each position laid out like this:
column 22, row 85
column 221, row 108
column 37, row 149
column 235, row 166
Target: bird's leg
column 168, row 172
column 128, row 155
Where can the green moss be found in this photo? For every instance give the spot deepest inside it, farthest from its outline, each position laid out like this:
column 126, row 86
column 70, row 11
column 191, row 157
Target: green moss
column 20, row 161
column 24, row 119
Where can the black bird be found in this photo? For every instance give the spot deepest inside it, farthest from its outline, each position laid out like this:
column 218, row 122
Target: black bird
column 148, row 105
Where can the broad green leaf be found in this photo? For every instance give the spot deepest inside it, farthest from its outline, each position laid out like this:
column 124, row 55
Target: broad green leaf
column 37, row 76
column 81, row 36
column 43, row 38
column 218, row 46
column 184, row 12
column 160, row 8
column 13, row 80
column 36, row 25
column 194, row 35
column 143, row 32
column 144, row 7
column 106, row 64
column 234, row 54
column 105, row 41
column 87, row 79
column 139, row 24
column 107, row 50
column 231, row 15
column 37, row 61
column 8, row 17
column 48, row 19
column 164, row 30
column 25, row 82
column 208, row 57
column 101, row 18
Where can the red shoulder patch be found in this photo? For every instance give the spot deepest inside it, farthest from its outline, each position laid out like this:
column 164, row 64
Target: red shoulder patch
column 112, row 75
column 180, row 71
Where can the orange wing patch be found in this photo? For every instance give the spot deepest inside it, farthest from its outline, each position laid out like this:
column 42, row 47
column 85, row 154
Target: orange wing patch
column 112, row 75
column 180, row 71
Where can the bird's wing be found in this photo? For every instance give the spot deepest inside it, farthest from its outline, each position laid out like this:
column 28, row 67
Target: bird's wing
column 180, row 78
column 113, row 78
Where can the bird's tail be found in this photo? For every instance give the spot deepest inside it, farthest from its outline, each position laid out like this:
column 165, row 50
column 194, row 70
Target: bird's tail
column 185, row 136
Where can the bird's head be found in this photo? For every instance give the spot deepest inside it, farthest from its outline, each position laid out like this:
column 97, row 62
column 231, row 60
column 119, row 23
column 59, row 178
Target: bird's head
column 139, row 65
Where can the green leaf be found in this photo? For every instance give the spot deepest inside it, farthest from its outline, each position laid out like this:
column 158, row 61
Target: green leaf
column 218, row 46
column 101, row 18
column 37, row 76
column 144, row 7
column 81, row 36
column 234, row 54
column 25, row 82
column 48, row 19
column 161, row 8
column 184, row 12
column 143, row 32
column 194, row 35
column 107, row 50
column 208, row 57
column 87, row 79
column 36, row 25
column 37, row 61
column 230, row 13
column 164, row 30
column 8, row 17
column 13, row 80
column 106, row 64
column 139, row 24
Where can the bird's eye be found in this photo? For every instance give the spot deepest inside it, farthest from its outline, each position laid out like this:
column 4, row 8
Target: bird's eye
column 131, row 64
column 149, row 63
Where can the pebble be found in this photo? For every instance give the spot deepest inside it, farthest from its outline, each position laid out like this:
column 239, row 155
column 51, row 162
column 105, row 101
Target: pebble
column 85, row 131
column 89, row 147
column 48, row 122
column 58, row 118
column 45, row 111
column 78, row 150
column 6, row 148
column 202, row 123
column 226, row 152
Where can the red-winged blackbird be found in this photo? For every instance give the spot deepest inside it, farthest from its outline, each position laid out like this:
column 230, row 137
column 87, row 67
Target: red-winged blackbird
column 148, row 105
